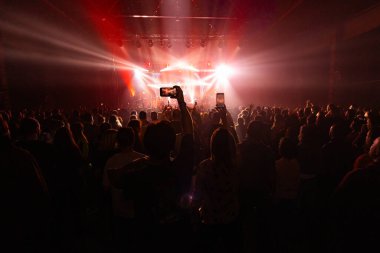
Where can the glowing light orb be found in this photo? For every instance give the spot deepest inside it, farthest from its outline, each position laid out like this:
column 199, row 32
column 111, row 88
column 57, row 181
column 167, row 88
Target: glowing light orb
column 223, row 71
column 138, row 73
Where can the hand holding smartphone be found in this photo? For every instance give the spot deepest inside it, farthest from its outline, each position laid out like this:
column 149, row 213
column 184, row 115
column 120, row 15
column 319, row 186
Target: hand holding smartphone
column 168, row 92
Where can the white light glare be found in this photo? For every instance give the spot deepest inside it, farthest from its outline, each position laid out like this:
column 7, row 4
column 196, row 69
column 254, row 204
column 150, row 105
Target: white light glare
column 223, row 71
column 139, row 72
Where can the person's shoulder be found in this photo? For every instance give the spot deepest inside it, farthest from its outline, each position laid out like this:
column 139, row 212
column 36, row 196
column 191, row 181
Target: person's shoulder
column 138, row 165
column 139, row 155
column 361, row 175
column 43, row 146
column 21, row 156
column 243, row 145
column 204, row 166
column 20, row 151
column 205, row 163
column 372, row 169
column 112, row 160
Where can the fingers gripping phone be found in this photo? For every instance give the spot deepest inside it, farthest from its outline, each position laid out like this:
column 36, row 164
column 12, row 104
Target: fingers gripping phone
column 168, row 92
column 220, row 100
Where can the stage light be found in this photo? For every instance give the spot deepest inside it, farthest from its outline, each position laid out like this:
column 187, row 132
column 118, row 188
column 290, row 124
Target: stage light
column 138, row 73
column 138, row 44
column 223, row 71
column 181, row 65
column 150, row 43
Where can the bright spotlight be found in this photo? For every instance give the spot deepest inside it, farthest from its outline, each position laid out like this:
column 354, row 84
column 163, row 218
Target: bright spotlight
column 223, row 71
column 181, row 64
column 138, row 73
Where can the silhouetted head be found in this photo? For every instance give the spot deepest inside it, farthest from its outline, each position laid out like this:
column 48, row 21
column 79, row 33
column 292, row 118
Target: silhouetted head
column 30, row 128
column 287, row 148
column 108, row 140
column 373, row 119
column 223, row 146
column 300, row 113
column 135, row 124
column 100, row 119
column 125, row 137
column 278, row 121
column 104, row 127
column 307, row 111
column 337, row 131
column 75, row 114
column 142, row 115
column 331, row 108
column 315, row 109
column 159, row 140
column 154, row 116
column 114, row 121
column 307, row 134
column 77, row 129
column 240, row 121
column 311, row 120
column 350, row 114
column 255, row 130
column 64, row 139
column 115, row 112
column 356, row 124
column 372, row 134
column 374, row 151
column 87, row 118
column 292, row 133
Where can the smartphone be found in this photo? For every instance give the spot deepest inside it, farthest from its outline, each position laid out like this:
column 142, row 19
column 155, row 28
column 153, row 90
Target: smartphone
column 168, row 92
column 219, row 99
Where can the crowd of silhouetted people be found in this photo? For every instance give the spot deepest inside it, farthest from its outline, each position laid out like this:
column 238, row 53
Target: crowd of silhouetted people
column 187, row 179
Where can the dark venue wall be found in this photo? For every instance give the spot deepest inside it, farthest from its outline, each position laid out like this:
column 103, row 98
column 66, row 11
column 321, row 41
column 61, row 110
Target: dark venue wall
column 359, row 69
column 47, row 86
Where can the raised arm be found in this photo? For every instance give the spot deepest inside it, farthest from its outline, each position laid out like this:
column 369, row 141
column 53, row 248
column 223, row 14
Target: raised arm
column 187, row 122
column 228, row 122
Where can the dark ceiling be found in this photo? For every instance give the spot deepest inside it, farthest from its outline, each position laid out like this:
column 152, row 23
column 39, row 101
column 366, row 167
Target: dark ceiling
column 200, row 18
column 288, row 30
